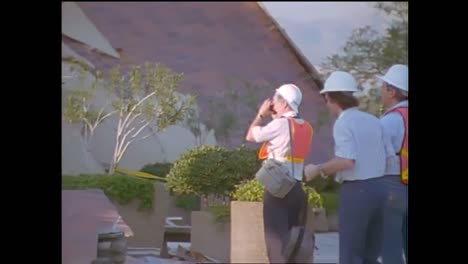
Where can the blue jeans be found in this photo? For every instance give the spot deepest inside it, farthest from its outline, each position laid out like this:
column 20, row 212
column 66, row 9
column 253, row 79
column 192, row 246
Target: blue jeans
column 360, row 218
column 395, row 218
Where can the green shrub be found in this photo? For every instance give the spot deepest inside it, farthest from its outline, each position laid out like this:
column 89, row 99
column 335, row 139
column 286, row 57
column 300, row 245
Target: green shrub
column 188, row 202
column 313, row 197
column 120, row 188
column 324, row 185
column 249, row 191
column 208, row 170
column 157, row 169
column 221, row 212
column 244, row 163
column 252, row 191
column 330, row 201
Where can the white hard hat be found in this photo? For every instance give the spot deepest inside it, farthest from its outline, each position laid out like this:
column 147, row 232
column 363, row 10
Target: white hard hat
column 292, row 94
column 397, row 76
column 340, row 81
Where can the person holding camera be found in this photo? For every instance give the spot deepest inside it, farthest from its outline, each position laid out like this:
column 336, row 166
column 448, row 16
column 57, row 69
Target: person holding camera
column 284, row 133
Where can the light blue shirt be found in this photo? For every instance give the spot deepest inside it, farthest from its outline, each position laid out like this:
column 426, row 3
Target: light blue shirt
column 359, row 136
column 394, row 131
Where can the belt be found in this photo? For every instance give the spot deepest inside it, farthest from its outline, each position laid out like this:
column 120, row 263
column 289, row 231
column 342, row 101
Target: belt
column 370, row 179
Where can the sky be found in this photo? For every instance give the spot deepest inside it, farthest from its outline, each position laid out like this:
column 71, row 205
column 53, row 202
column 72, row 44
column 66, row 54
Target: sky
column 319, row 29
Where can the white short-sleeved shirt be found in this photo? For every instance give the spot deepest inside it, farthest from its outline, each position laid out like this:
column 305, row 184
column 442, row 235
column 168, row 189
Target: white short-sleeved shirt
column 277, row 134
column 394, row 131
column 359, row 136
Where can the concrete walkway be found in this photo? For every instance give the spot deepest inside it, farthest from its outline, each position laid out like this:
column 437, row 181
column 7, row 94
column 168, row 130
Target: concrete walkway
column 327, row 252
column 327, row 244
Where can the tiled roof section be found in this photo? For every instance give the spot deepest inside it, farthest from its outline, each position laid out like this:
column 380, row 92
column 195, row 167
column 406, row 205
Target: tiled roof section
column 210, row 43
column 76, row 25
column 313, row 72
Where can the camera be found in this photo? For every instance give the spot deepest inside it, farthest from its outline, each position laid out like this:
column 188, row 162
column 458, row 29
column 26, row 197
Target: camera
column 272, row 110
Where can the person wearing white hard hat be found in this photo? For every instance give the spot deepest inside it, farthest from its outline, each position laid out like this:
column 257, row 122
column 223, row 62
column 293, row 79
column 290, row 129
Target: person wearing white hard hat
column 289, row 149
column 359, row 165
column 394, row 97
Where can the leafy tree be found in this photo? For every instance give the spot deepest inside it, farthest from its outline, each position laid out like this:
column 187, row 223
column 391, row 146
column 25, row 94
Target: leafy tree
column 368, row 53
column 80, row 107
column 141, row 99
column 144, row 97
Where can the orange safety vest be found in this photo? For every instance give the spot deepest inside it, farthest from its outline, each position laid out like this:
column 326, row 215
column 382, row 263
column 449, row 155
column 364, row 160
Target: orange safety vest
column 302, row 140
column 403, row 153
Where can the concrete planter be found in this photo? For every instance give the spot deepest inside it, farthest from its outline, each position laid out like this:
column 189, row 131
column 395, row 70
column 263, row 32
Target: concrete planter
column 333, row 222
column 247, row 233
column 210, row 237
column 317, row 220
column 147, row 225
column 174, row 211
column 241, row 240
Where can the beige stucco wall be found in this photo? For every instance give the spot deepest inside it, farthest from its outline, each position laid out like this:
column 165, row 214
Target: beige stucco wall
column 147, row 225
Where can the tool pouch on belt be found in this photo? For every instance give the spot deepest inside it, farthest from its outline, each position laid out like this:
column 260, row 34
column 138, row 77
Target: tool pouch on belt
column 275, row 176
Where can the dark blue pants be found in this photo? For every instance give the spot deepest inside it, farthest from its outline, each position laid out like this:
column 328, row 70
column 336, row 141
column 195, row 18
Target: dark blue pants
column 360, row 217
column 405, row 235
column 279, row 216
column 396, row 208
